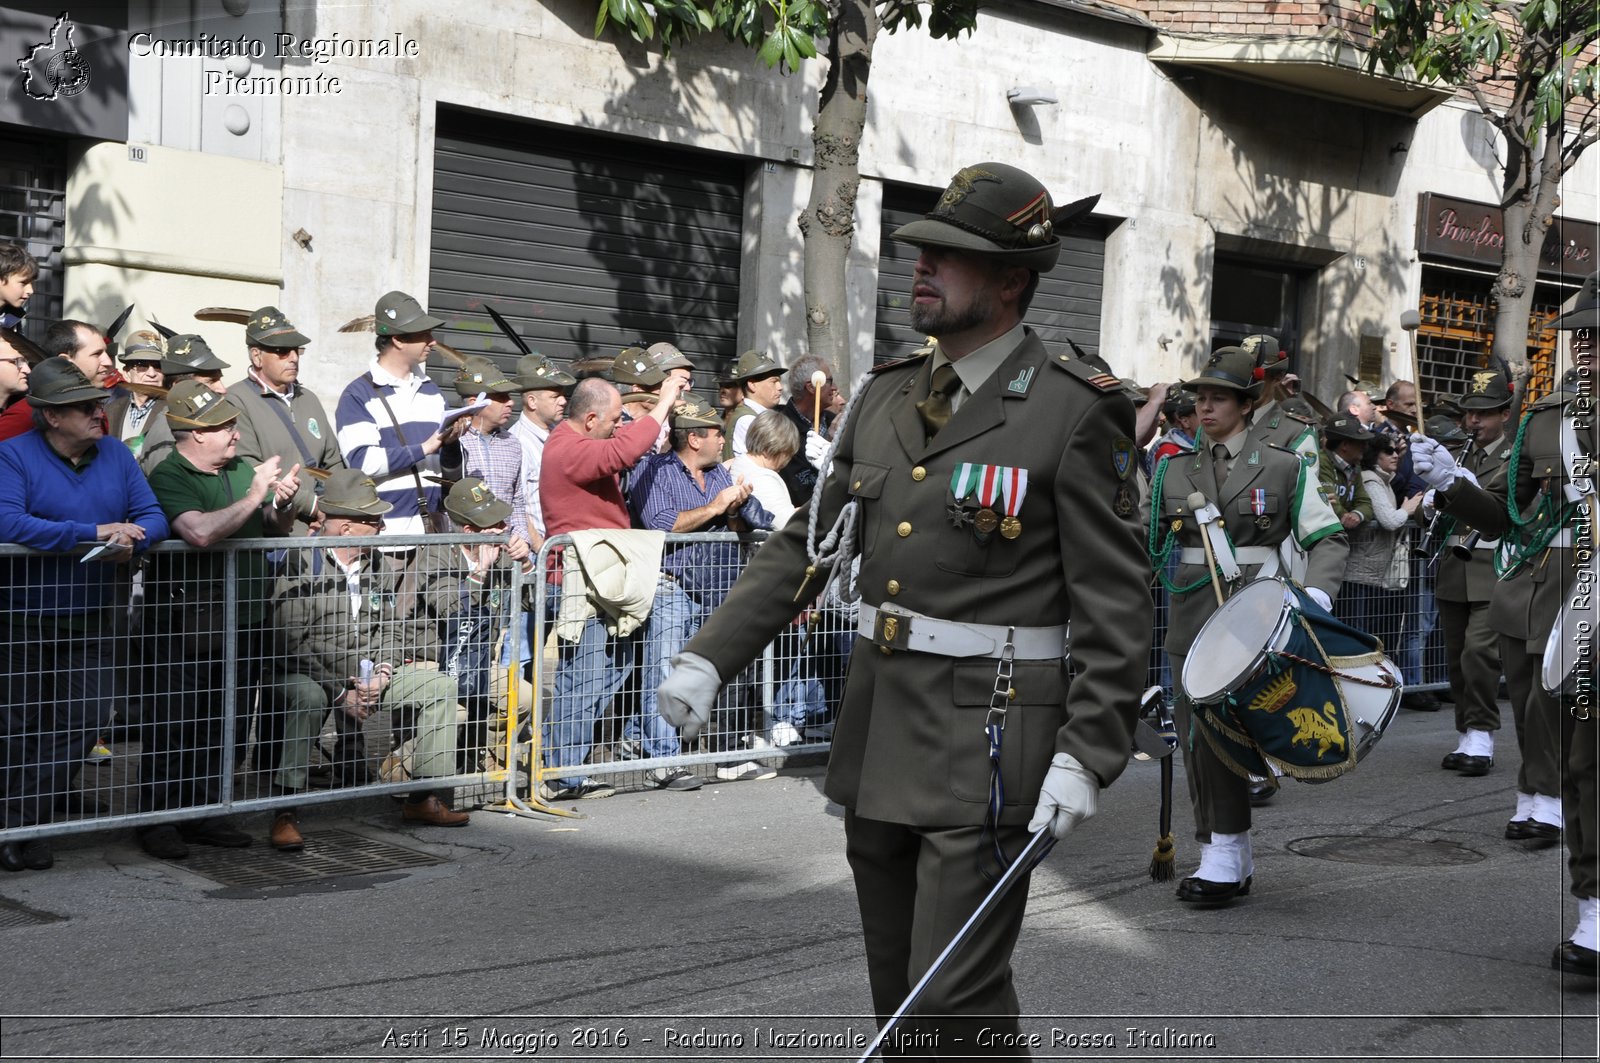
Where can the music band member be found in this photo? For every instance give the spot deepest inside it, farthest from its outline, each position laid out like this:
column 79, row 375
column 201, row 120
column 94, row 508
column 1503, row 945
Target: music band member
column 991, row 481
column 1261, row 494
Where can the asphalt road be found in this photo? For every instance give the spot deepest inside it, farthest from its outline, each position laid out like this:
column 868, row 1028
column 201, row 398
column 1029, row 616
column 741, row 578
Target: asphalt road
column 1389, row 920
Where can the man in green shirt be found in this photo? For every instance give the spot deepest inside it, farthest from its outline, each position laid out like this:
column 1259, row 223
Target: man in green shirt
column 208, row 494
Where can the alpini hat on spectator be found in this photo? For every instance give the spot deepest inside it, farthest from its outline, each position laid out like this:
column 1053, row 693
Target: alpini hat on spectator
column 1585, row 313
column 1346, row 427
column 268, row 327
column 666, row 356
column 535, row 372
column 190, row 404
column 479, row 374
column 397, row 314
column 752, row 365
column 1488, row 389
column 471, row 502
column 635, row 366
column 1229, row 367
column 188, row 353
column 1445, row 429
column 996, row 210
column 143, row 346
column 691, row 411
column 57, row 382
column 351, row 493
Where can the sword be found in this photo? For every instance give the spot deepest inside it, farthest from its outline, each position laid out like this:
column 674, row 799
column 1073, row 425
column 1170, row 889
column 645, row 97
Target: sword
column 1037, row 848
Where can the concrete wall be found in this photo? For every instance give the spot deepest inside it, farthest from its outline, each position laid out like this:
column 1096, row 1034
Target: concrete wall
column 1188, row 165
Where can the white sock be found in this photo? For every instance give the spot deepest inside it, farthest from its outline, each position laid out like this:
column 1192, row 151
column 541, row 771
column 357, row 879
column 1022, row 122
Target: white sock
column 1461, row 745
column 1524, row 807
column 1479, row 744
column 1588, row 932
column 1546, row 810
column 1224, row 857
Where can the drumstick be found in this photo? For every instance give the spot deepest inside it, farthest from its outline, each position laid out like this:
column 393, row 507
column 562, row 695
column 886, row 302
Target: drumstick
column 1197, row 502
column 819, row 380
column 1410, row 321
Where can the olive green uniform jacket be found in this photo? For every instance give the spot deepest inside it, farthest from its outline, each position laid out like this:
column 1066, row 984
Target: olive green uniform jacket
column 909, row 744
column 263, row 433
column 1472, row 580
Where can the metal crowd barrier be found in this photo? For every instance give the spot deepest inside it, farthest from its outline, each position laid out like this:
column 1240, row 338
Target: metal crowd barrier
column 195, row 672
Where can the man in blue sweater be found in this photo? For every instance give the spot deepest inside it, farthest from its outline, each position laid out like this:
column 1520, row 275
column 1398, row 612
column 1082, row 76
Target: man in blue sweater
column 62, row 485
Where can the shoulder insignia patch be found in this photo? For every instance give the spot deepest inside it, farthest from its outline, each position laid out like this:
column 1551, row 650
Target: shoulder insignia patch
column 914, row 358
column 1087, row 373
column 1122, row 457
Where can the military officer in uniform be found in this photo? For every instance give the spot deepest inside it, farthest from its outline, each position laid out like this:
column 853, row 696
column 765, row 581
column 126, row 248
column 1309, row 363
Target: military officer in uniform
column 991, row 486
column 1263, row 495
column 1537, row 501
column 760, row 383
column 1465, row 586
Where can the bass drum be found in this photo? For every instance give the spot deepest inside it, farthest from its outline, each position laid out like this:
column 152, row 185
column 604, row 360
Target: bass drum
column 1567, row 669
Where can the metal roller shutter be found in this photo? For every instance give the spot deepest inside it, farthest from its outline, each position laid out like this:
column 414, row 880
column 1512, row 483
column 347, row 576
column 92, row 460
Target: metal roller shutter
column 1066, row 305
column 586, row 243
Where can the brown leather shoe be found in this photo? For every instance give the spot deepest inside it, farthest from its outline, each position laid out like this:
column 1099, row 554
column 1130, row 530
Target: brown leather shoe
column 432, row 812
column 285, row 835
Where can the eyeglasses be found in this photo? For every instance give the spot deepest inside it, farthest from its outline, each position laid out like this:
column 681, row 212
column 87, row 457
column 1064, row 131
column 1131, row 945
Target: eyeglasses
column 17, row 362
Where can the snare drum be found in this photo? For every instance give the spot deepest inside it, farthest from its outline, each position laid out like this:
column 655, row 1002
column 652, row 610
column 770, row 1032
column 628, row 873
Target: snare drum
column 1277, row 679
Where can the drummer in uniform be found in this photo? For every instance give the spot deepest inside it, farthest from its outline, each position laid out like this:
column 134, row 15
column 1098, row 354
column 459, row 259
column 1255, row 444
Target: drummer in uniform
column 1537, row 501
column 1263, row 494
column 1465, row 585
column 991, row 493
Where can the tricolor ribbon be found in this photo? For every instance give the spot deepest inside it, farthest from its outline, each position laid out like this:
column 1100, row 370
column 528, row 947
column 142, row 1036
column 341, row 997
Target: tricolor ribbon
column 965, row 479
column 989, row 485
column 1258, row 501
column 1013, row 488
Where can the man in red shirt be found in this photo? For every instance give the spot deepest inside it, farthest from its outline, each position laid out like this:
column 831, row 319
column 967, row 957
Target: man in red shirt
column 579, row 490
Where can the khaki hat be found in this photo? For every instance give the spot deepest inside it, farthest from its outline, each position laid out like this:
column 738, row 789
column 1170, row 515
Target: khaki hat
column 1488, row 389
column 190, row 404
column 268, row 327
column 188, row 353
column 1445, row 429
column 471, row 502
column 479, row 374
column 1444, row 405
column 1270, row 358
column 635, row 366
column 666, row 356
column 1585, row 313
column 752, row 365
column 397, row 314
column 535, row 372
column 1229, row 367
column 1347, row 427
column 351, row 493
column 992, row 209
column 143, row 346
column 57, row 382
column 691, row 411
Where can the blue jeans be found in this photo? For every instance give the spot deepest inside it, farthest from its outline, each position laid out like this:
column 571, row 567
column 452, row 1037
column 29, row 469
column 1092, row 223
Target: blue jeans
column 674, row 618
column 589, row 673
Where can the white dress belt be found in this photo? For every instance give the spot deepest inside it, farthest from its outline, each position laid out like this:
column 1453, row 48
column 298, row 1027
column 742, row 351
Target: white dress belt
column 1245, row 555
column 894, row 628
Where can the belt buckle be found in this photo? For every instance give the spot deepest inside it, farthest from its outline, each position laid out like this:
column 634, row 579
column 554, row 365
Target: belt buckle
column 891, row 630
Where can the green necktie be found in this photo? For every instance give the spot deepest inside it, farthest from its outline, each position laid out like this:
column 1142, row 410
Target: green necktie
column 935, row 409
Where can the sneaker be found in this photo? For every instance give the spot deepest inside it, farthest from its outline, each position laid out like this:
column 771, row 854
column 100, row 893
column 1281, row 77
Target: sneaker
column 749, row 771
column 587, row 790
column 784, row 733
column 676, row 779
column 99, row 753
column 627, row 749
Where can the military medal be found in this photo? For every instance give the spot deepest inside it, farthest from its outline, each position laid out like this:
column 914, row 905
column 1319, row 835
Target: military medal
column 985, row 521
column 1258, row 506
column 988, row 494
column 963, row 481
column 1013, row 488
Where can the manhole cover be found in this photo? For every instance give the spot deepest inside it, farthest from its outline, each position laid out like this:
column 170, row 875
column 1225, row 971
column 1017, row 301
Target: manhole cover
column 328, row 854
column 1396, row 852
column 13, row 915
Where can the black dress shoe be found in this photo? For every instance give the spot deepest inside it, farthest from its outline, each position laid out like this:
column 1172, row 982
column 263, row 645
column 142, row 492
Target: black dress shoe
column 1261, row 792
column 1205, row 892
column 1420, row 702
column 1453, row 761
column 37, row 854
column 11, row 856
column 1575, row 959
column 215, row 832
column 1475, row 765
column 163, row 842
column 1529, row 830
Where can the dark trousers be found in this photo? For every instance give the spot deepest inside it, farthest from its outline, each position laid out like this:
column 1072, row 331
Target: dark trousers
column 1580, row 800
column 917, row 886
column 1219, row 795
column 1538, row 717
column 184, row 758
column 1472, row 650
column 56, row 690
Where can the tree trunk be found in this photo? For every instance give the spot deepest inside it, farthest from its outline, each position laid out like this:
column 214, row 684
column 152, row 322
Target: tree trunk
column 828, row 222
column 1529, row 201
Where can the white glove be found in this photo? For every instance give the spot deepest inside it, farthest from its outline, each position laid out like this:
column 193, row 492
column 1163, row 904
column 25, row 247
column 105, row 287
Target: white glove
column 816, row 449
column 1320, row 598
column 1069, row 796
column 686, row 696
column 1433, row 463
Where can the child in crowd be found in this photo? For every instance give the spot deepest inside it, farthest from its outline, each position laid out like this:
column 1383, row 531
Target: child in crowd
column 18, row 271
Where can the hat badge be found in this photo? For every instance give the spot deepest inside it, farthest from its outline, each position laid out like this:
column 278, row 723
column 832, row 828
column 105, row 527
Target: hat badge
column 1480, row 382
column 963, row 183
column 390, row 314
column 477, row 494
column 203, row 400
column 181, row 350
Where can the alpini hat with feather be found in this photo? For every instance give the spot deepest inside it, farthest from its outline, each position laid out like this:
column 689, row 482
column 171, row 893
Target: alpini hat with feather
column 1000, row 211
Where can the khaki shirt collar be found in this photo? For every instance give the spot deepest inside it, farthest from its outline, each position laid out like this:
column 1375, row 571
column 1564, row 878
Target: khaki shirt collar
column 980, row 365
